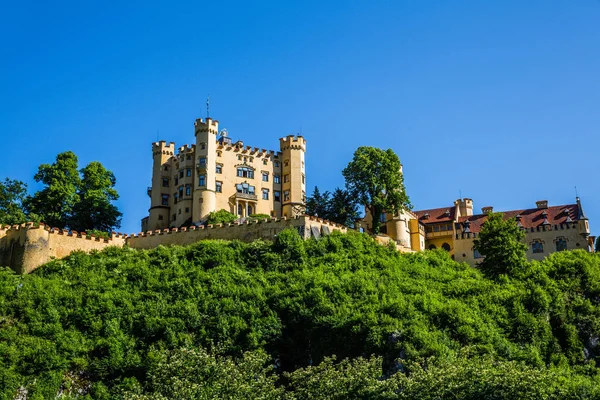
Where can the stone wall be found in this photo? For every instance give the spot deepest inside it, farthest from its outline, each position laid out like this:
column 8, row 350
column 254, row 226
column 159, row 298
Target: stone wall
column 247, row 232
column 25, row 247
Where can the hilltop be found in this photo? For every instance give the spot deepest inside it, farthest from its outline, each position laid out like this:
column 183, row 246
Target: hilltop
column 339, row 317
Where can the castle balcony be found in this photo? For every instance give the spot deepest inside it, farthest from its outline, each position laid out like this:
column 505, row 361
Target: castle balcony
column 245, row 196
column 149, row 191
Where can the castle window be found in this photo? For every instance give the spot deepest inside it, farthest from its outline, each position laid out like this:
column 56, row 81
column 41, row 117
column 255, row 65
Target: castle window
column 265, row 194
column 201, row 162
column 383, row 218
column 244, row 188
column 276, row 195
column 202, row 180
column 244, row 172
column 251, row 159
column 239, row 157
column 166, row 168
column 265, row 177
column 188, row 172
column 561, row 244
column 477, row 254
column 446, row 247
column 164, row 200
column 176, row 181
column 286, row 195
column 219, row 153
column 303, row 179
column 276, row 179
column 202, row 146
column 537, row 246
column 160, row 217
column 432, row 247
column 265, row 161
column 276, row 163
column 239, row 209
column 245, row 159
column 187, row 210
column 303, row 196
column 165, row 182
column 174, row 217
column 179, row 211
column 219, row 168
column 286, row 178
column 188, row 157
column 181, row 173
column 188, row 190
column 286, row 163
column 180, row 192
column 175, row 198
column 219, row 187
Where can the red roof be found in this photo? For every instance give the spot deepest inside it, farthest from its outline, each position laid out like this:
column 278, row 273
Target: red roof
column 530, row 218
column 435, row 215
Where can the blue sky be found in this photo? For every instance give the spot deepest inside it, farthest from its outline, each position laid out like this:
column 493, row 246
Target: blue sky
column 497, row 100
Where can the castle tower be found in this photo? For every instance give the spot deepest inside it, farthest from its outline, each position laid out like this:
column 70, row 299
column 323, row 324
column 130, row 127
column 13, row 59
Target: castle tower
column 204, row 198
column 293, row 175
column 464, row 208
column 160, row 199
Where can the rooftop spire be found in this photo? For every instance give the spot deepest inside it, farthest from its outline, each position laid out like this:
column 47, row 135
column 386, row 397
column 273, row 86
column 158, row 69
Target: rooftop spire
column 208, row 106
column 581, row 214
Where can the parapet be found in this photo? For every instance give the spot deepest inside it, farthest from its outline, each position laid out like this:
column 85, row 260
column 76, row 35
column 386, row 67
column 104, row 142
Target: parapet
column 163, row 148
column 206, row 125
column 292, row 142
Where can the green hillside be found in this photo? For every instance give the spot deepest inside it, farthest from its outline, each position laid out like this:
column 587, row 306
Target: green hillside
column 341, row 317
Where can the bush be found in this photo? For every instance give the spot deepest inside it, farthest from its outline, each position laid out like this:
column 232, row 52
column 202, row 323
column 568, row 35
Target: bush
column 221, row 217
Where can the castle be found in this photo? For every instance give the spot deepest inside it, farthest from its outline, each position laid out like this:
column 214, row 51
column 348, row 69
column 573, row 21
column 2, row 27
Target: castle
column 217, row 173
column 454, row 228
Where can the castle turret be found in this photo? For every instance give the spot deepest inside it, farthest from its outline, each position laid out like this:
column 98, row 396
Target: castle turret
column 294, row 181
column 463, row 208
column 160, row 198
column 205, row 199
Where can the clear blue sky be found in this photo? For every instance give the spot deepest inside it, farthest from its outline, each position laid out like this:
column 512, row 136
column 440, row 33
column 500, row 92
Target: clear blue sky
column 499, row 100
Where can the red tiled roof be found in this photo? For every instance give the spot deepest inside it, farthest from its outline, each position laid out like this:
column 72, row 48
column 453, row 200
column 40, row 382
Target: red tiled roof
column 436, row 215
column 530, row 218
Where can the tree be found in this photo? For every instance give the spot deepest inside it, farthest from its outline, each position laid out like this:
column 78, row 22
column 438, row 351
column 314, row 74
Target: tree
column 343, row 208
column 500, row 242
column 12, row 195
column 597, row 249
column 221, row 217
column 54, row 203
column 317, row 204
column 374, row 179
column 94, row 209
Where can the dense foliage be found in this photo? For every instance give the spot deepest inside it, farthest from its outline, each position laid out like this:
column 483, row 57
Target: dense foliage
column 67, row 199
column 339, row 206
column 245, row 320
column 221, row 217
column 501, row 244
column 373, row 178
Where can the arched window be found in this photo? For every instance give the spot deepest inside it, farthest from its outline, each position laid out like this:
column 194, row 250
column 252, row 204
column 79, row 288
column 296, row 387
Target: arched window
column 432, row 247
column 561, row 244
column 446, row 247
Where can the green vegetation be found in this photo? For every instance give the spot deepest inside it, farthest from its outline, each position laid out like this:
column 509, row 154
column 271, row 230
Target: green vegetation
column 338, row 318
column 501, row 243
column 338, row 207
column 67, row 200
column 258, row 217
column 221, row 217
column 373, row 178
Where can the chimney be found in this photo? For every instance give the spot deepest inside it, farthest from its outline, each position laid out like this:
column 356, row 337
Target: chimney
column 487, row 210
column 542, row 204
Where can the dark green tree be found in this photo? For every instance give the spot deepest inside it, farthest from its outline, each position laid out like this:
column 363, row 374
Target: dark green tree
column 597, row 249
column 12, row 195
column 501, row 243
column 94, row 209
column 343, row 208
column 54, row 203
column 317, row 204
column 374, row 179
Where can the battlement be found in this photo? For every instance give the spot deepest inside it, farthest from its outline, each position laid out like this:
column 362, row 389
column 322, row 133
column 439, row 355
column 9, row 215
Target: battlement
column 186, row 148
column 162, row 147
column 292, row 142
column 206, row 125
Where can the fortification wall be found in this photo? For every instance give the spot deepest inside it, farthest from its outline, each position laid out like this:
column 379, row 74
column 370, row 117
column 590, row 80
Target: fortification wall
column 25, row 247
column 247, row 232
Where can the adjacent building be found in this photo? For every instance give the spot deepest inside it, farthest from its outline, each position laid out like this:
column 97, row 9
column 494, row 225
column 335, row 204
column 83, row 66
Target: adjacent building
column 217, row 173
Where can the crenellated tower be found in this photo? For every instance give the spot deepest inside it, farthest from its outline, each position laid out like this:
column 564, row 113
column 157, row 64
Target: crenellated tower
column 204, row 197
column 160, row 198
column 293, row 175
